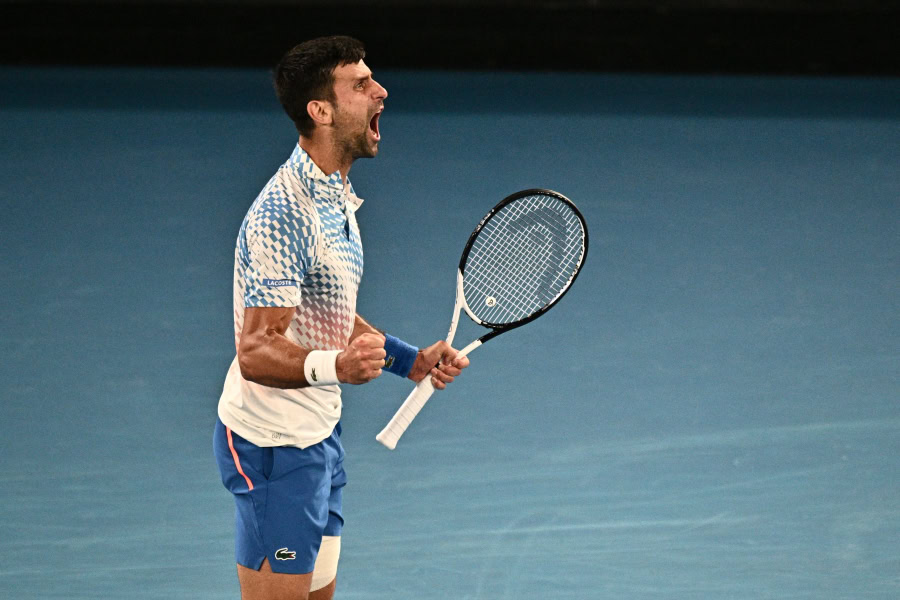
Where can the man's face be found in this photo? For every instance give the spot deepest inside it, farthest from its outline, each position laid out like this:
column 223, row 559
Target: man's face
column 358, row 106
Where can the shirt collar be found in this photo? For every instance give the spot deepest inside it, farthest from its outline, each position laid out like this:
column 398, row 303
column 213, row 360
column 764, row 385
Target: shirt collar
column 336, row 190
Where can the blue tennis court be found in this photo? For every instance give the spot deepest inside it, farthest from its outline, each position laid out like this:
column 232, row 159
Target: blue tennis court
column 712, row 412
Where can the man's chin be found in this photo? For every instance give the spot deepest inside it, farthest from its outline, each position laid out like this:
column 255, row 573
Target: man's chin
column 369, row 151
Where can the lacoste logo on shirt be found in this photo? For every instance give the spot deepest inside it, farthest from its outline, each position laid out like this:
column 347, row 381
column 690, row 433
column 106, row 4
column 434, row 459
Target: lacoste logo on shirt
column 285, row 554
column 278, row 282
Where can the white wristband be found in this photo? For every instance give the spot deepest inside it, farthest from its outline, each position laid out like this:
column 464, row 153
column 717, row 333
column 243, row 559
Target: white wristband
column 319, row 367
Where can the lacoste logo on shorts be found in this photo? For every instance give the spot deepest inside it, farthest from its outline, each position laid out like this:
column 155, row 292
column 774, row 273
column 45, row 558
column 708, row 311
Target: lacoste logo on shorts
column 285, row 554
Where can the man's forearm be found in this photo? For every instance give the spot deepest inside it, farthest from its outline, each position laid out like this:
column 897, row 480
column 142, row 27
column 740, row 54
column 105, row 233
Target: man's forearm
column 267, row 357
column 273, row 360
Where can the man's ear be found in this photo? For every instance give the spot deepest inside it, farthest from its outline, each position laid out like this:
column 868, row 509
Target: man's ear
column 320, row 111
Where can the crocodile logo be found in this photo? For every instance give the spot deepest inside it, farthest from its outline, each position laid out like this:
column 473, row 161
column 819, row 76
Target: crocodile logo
column 312, row 373
column 388, row 362
column 285, row 554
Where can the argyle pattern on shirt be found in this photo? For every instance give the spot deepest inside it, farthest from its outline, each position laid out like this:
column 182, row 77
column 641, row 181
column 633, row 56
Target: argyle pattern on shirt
column 299, row 246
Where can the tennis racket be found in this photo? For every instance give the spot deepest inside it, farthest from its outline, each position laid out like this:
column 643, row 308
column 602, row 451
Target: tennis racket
column 521, row 259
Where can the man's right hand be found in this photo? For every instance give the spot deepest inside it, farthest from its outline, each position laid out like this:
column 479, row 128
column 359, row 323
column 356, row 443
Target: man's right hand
column 363, row 359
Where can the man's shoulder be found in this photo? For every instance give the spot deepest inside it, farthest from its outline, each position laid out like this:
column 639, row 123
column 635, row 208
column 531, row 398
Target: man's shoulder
column 282, row 221
column 286, row 198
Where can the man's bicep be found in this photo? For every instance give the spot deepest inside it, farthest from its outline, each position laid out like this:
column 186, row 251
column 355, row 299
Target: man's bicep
column 263, row 320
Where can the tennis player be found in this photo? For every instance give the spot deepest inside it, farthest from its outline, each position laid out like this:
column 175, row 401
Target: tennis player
column 298, row 264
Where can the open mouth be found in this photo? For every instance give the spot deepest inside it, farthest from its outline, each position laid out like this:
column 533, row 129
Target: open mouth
column 373, row 125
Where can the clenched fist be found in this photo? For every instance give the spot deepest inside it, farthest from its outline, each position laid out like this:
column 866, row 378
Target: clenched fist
column 363, row 359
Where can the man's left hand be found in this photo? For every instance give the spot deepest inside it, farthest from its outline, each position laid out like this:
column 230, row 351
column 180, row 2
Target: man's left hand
column 447, row 364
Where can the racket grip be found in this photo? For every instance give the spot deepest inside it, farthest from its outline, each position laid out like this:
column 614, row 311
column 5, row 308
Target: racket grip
column 392, row 432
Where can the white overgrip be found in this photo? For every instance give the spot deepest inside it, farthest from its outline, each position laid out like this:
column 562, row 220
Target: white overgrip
column 392, row 432
column 407, row 412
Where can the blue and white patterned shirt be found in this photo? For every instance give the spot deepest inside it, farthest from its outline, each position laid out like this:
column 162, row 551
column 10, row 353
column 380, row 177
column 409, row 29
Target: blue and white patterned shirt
column 298, row 246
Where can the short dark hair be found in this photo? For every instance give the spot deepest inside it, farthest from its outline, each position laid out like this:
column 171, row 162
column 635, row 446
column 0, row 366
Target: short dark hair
column 306, row 72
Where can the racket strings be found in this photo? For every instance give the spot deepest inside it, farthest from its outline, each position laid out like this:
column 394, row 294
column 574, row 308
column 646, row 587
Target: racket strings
column 514, row 297
column 522, row 259
column 512, row 250
column 536, row 285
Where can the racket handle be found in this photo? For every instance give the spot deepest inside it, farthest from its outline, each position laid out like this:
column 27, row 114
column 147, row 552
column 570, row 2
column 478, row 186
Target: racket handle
column 392, row 432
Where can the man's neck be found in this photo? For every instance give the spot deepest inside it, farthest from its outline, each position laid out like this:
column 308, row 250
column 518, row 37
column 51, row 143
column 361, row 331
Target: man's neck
column 322, row 152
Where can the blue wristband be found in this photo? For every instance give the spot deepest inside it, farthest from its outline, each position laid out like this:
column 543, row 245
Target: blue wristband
column 400, row 356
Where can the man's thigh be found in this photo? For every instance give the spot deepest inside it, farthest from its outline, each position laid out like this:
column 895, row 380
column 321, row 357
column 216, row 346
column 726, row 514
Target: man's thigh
column 326, row 593
column 267, row 585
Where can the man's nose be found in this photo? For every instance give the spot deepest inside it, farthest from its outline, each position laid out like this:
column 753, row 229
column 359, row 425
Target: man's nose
column 380, row 91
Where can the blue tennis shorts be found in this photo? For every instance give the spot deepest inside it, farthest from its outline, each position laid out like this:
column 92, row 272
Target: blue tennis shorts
column 287, row 498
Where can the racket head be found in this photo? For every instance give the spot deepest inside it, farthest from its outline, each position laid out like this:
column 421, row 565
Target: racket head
column 522, row 258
